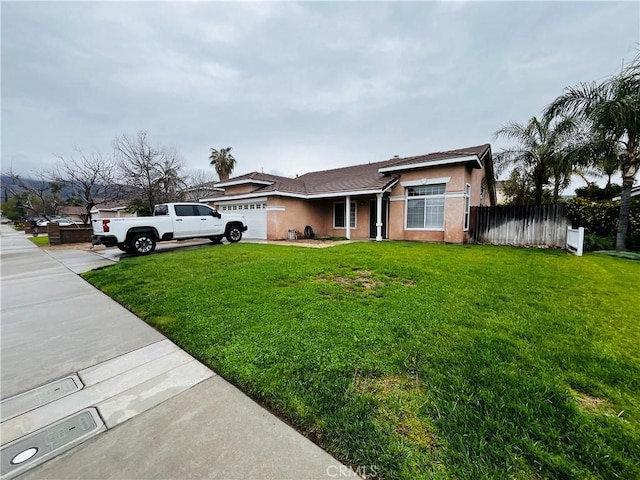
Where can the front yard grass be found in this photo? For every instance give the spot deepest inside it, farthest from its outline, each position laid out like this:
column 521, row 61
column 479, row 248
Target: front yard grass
column 416, row 360
column 41, row 241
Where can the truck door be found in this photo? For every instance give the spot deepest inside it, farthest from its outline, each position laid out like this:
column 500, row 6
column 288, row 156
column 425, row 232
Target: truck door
column 187, row 222
column 210, row 221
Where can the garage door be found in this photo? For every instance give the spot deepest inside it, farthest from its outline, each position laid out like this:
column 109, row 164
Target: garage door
column 255, row 214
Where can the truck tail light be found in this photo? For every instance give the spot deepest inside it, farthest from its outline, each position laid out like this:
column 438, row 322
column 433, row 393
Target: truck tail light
column 105, row 225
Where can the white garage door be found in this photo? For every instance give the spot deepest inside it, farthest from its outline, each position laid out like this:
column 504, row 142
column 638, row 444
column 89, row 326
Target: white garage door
column 255, row 214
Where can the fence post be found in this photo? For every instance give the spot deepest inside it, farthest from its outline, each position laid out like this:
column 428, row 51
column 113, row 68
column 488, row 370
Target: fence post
column 580, row 241
column 55, row 238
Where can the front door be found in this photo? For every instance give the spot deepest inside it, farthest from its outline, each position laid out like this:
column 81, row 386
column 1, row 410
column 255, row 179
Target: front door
column 373, row 216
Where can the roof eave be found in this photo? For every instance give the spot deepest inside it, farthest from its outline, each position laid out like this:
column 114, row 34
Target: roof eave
column 434, row 163
column 233, row 183
column 312, row 196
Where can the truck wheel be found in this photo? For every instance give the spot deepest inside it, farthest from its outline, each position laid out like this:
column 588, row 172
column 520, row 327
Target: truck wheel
column 124, row 247
column 234, row 234
column 217, row 239
column 143, row 244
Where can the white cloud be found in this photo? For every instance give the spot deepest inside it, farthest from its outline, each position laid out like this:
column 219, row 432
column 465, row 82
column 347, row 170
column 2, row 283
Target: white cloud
column 218, row 71
column 293, row 87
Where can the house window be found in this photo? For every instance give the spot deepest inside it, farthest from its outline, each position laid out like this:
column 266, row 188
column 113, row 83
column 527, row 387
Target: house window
column 425, row 207
column 467, row 206
column 339, row 214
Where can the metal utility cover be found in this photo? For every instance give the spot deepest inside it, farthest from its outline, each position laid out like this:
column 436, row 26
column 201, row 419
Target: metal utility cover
column 24, row 402
column 41, row 445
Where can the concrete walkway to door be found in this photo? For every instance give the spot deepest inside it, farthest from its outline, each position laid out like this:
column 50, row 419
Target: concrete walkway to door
column 150, row 410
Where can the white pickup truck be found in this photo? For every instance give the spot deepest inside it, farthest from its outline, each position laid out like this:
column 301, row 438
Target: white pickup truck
column 170, row 221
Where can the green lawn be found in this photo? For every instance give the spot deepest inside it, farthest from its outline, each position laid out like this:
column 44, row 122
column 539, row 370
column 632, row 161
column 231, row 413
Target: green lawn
column 41, row 241
column 422, row 360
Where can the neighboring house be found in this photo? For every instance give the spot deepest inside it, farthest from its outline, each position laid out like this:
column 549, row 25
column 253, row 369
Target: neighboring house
column 501, row 198
column 424, row 198
column 110, row 210
column 73, row 213
column 194, row 193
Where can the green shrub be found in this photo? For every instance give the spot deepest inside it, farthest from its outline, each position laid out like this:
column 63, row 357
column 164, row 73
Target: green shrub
column 597, row 193
column 600, row 219
column 593, row 242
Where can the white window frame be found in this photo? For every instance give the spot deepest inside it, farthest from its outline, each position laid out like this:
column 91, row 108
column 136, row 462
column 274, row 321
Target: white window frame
column 354, row 212
column 467, row 207
column 418, row 197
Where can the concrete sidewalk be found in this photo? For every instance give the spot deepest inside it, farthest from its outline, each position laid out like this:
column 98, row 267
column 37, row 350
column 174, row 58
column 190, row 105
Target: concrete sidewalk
column 125, row 402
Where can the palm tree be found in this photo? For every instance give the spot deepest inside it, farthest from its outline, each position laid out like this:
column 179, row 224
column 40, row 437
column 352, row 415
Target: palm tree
column 170, row 182
column 581, row 150
column 223, row 162
column 541, row 145
column 562, row 168
column 612, row 111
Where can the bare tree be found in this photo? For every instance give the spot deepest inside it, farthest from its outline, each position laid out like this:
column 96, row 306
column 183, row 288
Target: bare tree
column 39, row 194
column 154, row 174
column 91, row 179
column 200, row 185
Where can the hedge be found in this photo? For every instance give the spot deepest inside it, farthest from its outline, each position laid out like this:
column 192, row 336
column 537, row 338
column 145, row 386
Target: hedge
column 601, row 219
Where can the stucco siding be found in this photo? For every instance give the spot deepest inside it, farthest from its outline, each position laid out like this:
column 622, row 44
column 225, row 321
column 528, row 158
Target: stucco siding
column 284, row 214
column 361, row 231
column 240, row 189
column 459, row 175
column 454, row 220
column 477, row 177
column 456, row 182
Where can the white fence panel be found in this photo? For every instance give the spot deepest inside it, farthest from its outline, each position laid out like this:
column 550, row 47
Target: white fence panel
column 575, row 240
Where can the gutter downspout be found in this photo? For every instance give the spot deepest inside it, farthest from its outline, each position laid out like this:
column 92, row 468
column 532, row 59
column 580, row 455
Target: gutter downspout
column 348, row 218
column 378, row 217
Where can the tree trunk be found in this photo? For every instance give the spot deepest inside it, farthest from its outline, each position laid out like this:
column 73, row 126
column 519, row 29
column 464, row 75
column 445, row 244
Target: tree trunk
column 607, row 187
column 623, row 221
column 539, row 185
column 630, row 161
column 556, row 189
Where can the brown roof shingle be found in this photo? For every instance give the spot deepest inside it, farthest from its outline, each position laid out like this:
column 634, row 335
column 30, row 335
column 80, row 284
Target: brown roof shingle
column 478, row 151
column 355, row 178
column 347, row 179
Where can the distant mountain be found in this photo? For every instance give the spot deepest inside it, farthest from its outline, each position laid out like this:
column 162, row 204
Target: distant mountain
column 6, row 184
column 66, row 192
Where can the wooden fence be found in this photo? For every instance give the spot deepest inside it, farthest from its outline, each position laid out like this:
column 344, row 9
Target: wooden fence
column 529, row 225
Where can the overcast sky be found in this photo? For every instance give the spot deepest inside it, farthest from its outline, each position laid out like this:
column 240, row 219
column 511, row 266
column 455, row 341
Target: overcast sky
column 293, row 87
